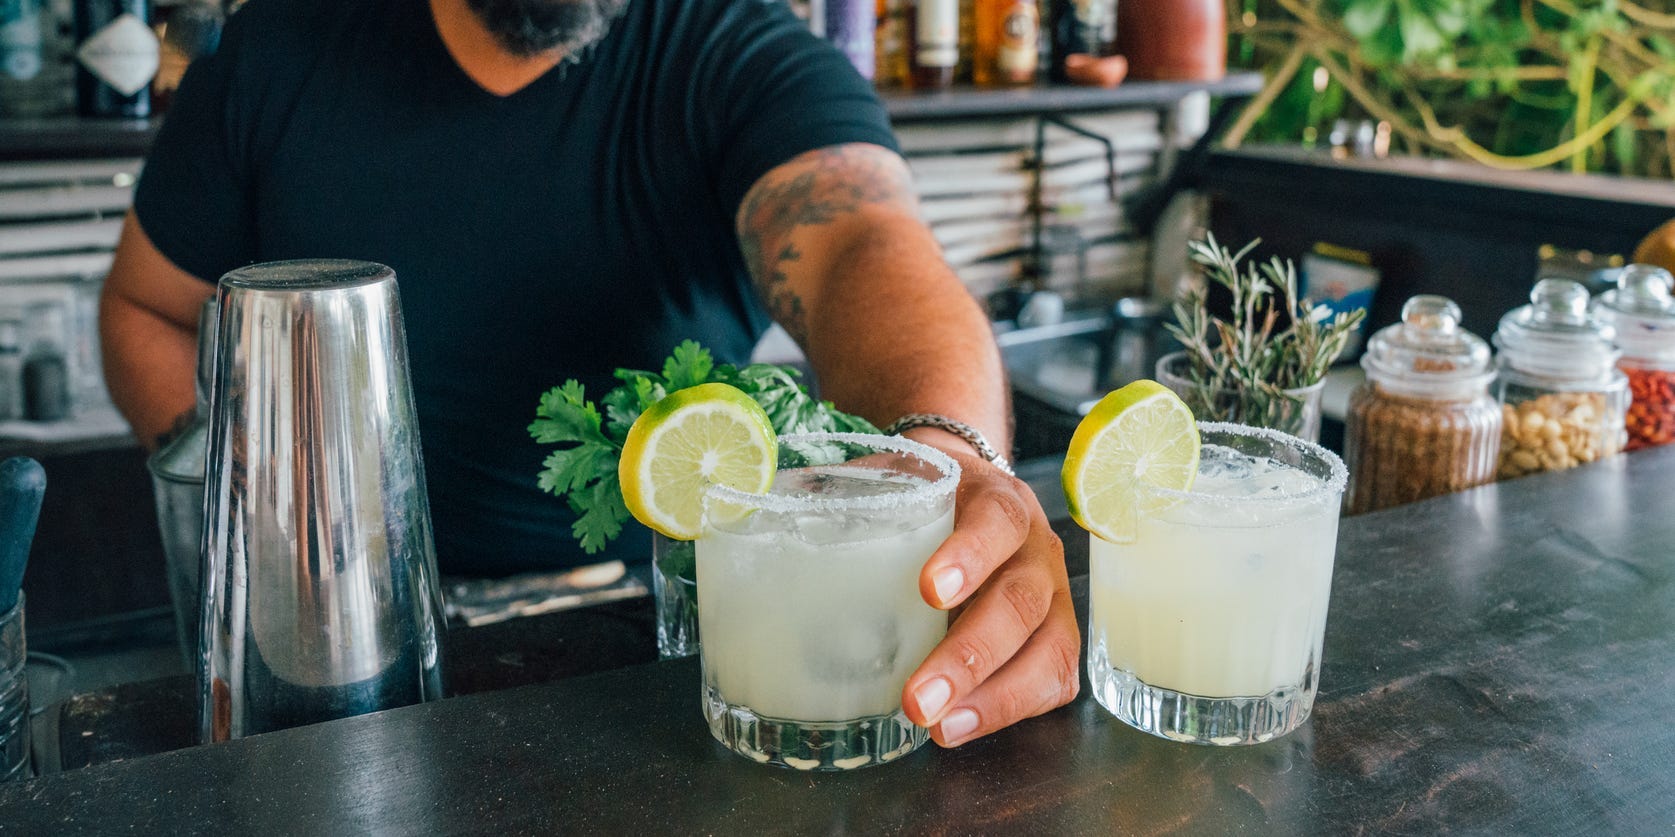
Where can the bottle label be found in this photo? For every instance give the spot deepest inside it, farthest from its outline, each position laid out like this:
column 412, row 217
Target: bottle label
column 123, row 55
column 938, row 33
column 1096, row 24
column 1020, row 37
column 20, row 39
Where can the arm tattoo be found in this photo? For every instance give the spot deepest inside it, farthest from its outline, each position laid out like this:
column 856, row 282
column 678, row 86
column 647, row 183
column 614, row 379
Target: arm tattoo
column 815, row 189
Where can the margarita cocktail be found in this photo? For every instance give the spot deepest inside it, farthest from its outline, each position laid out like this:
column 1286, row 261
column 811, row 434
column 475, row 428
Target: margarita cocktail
column 812, row 617
column 1207, row 626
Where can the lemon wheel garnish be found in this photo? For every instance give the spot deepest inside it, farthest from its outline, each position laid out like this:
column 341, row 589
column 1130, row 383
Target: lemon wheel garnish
column 1140, row 433
column 691, row 439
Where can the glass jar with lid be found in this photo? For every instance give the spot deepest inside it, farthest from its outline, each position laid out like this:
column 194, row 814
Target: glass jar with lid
column 1641, row 310
column 1563, row 397
column 1424, row 423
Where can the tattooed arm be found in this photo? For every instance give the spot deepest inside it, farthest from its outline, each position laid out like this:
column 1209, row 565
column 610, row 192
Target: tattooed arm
column 838, row 253
column 840, row 257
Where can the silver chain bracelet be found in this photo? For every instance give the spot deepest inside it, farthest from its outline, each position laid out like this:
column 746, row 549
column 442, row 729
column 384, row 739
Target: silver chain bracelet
column 958, row 428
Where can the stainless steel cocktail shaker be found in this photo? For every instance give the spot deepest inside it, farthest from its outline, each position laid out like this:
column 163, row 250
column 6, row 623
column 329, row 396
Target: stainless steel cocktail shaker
column 320, row 588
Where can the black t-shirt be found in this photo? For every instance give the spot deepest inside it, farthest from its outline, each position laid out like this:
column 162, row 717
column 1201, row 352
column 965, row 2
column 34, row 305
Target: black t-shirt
column 580, row 224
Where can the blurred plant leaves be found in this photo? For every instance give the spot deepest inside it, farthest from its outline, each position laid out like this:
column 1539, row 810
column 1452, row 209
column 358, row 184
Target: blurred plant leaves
column 1507, row 75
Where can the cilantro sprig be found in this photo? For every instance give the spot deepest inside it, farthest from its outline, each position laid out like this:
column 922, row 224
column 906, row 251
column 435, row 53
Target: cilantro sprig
column 583, row 471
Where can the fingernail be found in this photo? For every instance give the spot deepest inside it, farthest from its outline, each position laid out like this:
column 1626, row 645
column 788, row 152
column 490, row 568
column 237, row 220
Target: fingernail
column 959, row 724
column 932, row 695
column 948, row 582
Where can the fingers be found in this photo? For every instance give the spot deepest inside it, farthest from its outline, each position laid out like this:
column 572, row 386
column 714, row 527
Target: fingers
column 1042, row 677
column 996, row 623
column 992, row 520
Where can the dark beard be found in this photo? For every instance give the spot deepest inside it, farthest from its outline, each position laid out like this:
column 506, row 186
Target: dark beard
column 530, row 27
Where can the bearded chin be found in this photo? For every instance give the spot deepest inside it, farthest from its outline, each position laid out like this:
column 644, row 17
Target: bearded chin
column 531, row 27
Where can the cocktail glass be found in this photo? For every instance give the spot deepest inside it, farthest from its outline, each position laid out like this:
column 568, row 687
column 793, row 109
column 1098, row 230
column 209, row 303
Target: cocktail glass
column 812, row 618
column 1207, row 628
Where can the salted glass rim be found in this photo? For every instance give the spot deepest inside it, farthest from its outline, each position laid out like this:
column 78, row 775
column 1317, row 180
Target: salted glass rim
column 1334, row 484
column 786, row 504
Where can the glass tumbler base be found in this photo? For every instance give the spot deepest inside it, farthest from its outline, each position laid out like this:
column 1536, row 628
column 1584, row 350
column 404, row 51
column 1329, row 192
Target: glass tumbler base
column 1199, row 720
column 844, row 745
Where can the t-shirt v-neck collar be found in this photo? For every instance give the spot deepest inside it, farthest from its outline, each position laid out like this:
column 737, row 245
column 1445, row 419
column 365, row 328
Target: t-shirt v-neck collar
column 468, row 86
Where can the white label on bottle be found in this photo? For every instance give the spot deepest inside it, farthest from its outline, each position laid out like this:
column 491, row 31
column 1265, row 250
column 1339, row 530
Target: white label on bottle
column 1019, row 42
column 938, row 33
column 123, row 55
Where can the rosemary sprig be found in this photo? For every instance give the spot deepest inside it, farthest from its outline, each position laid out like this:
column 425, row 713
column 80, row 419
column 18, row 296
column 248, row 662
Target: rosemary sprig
column 1248, row 368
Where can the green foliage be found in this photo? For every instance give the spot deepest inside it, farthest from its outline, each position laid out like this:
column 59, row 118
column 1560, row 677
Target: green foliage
column 1586, row 84
column 583, row 471
column 1248, row 368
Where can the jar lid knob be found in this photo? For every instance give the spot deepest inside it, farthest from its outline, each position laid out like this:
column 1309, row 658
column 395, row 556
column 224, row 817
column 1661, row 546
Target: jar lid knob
column 1559, row 301
column 1431, row 318
column 1645, row 288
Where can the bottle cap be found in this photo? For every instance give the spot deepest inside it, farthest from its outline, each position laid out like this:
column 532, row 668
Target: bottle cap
column 1555, row 337
column 1641, row 309
column 1427, row 354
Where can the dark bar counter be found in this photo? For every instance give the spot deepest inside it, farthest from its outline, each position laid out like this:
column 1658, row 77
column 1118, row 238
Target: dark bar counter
column 1501, row 660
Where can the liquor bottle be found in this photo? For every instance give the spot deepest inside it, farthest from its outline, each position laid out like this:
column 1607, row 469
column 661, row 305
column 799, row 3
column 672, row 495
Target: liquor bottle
column 849, row 26
column 1008, row 42
column 811, row 12
column 891, row 43
column 22, row 51
column 1086, row 27
column 968, row 40
column 117, row 55
column 934, row 42
column 46, row 368
column 11, row 371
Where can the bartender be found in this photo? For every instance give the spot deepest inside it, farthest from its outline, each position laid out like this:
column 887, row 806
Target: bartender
column 569, row 186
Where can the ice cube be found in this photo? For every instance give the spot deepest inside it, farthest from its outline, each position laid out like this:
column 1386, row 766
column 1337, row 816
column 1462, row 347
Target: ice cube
column 1273, row 478
column 863, row 648
column 823, row 528
column 1224, row 472
column 1224, row 464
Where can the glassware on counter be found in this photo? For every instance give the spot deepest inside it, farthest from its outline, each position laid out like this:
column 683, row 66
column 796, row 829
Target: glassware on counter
column 1208, row 627
column 14, row 696
column 812, row 619
column 1563, row 398
column 674, row 586
column 320, row 595
column 1424, row 423
column 1297, row 412
column 177, row 482
column 1641, row 311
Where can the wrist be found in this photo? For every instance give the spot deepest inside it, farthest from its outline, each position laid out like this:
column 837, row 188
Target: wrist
column 943, row 441
column 951, row 436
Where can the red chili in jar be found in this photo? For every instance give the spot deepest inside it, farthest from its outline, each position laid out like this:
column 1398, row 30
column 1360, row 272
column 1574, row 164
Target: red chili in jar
column 1651, row 415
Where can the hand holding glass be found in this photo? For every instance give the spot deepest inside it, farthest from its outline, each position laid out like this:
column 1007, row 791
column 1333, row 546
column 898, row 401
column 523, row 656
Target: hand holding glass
column 812, row 618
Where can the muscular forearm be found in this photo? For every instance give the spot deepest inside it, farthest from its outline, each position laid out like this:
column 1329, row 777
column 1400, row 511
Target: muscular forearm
column 898, row 333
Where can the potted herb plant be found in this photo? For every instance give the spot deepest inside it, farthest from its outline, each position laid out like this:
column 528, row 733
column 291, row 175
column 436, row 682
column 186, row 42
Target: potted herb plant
column 1265, row 364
